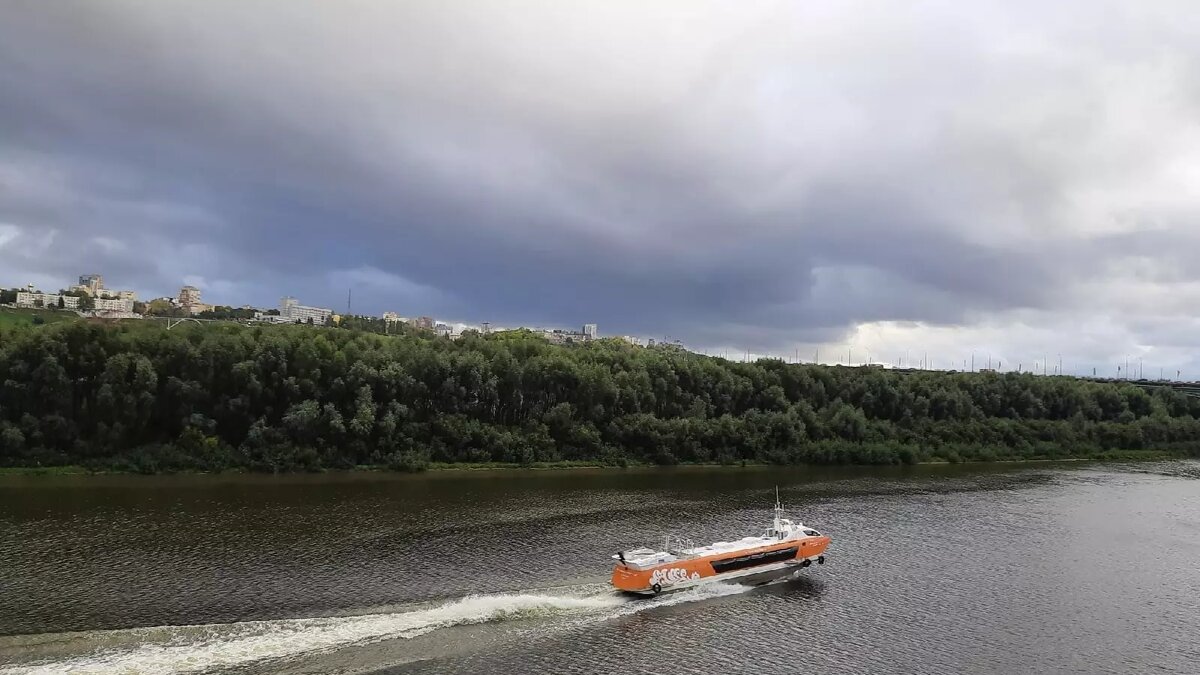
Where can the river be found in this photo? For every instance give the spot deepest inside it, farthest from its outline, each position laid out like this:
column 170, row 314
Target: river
column 1039, row 568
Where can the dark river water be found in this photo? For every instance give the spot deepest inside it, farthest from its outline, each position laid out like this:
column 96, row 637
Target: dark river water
column 938, row 569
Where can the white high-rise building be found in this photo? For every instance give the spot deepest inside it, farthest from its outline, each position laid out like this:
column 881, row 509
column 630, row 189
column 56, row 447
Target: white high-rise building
column 112, row 305
column 188, row 296
column 589, row 329
column 93, row 282
column 291, row 309
column 46, row 300
column 93, row 285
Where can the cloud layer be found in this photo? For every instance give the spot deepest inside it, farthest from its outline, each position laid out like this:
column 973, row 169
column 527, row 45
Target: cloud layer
column 1002, row 177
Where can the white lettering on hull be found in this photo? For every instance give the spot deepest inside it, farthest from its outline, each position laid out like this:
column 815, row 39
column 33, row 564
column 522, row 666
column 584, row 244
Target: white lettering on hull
column 672, row 575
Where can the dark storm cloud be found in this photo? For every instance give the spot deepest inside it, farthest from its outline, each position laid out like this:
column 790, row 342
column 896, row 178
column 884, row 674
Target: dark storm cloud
column 757, row 175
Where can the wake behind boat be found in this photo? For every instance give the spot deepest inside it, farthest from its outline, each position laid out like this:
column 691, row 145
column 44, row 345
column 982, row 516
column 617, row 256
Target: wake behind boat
column 682, row 564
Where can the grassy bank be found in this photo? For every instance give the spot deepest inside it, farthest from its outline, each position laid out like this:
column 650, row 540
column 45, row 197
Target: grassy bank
column 71, row 470
column 14, row 317
column 75, row 470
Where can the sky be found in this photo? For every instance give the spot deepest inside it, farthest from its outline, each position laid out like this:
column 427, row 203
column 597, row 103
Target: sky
column 840, row 179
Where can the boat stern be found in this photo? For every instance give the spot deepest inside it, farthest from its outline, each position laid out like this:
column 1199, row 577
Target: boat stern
column 631, row 580
column 655, row 572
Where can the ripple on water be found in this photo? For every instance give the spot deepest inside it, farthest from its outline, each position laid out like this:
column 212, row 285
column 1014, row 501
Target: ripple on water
column 933, row 569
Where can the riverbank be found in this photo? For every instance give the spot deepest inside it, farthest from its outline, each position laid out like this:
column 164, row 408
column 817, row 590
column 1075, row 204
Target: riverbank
column 293, row 399
column 501, row 467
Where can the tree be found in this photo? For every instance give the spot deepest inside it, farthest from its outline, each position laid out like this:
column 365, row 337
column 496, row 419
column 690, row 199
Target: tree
column 226, row 313
column 848, row 422
column 279, row 398
column 159, row 307
column 12, row 441
column 62, row 304
column 86, row 301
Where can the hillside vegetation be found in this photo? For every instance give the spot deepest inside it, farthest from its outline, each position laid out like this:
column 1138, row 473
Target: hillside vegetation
column 12, row 316
column 138, row 397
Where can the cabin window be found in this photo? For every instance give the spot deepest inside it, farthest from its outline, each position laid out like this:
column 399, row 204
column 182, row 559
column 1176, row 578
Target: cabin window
column 812, row 533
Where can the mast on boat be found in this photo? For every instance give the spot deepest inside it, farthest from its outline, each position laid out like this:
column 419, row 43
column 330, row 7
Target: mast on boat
column 778, row 511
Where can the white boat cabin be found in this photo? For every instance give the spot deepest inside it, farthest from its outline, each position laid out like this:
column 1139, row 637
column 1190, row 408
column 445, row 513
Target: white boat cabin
column 675, row 549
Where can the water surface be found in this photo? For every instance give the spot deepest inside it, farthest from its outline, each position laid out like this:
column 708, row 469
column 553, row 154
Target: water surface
column 997, row 569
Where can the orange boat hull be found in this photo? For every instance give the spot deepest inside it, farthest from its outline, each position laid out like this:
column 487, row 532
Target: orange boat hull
column 688, row 572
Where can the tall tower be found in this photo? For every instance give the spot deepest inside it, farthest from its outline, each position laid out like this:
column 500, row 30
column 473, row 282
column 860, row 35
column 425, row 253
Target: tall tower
column 286, row 305
column 94, row 282
column 189, row 296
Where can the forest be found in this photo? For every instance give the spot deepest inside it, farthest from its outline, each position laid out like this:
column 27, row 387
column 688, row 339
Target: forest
column 132, row 396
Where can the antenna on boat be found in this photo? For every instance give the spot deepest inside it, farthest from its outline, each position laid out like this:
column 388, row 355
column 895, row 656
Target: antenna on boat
column 778, row 509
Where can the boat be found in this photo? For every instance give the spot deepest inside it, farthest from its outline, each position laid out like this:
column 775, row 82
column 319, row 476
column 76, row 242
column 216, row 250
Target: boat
column 682, row 564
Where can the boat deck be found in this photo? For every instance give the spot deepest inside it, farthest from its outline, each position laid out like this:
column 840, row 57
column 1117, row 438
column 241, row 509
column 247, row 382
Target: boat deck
column 645, row 558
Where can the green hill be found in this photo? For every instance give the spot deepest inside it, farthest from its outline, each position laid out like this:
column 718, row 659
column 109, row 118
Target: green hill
column 135, row 396
column 11, row 317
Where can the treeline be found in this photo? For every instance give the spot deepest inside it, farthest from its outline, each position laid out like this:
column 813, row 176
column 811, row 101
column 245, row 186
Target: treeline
column 278, row 398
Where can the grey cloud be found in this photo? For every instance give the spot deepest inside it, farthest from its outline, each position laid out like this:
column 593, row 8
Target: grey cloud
column 758, row 175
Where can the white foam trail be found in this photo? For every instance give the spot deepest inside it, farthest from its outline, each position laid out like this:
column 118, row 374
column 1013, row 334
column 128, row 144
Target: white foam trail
column 226, row 645
column 189, row 649
column 708, row 591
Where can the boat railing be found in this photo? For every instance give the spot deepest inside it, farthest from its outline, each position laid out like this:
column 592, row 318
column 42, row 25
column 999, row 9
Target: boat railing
column 680, row 547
